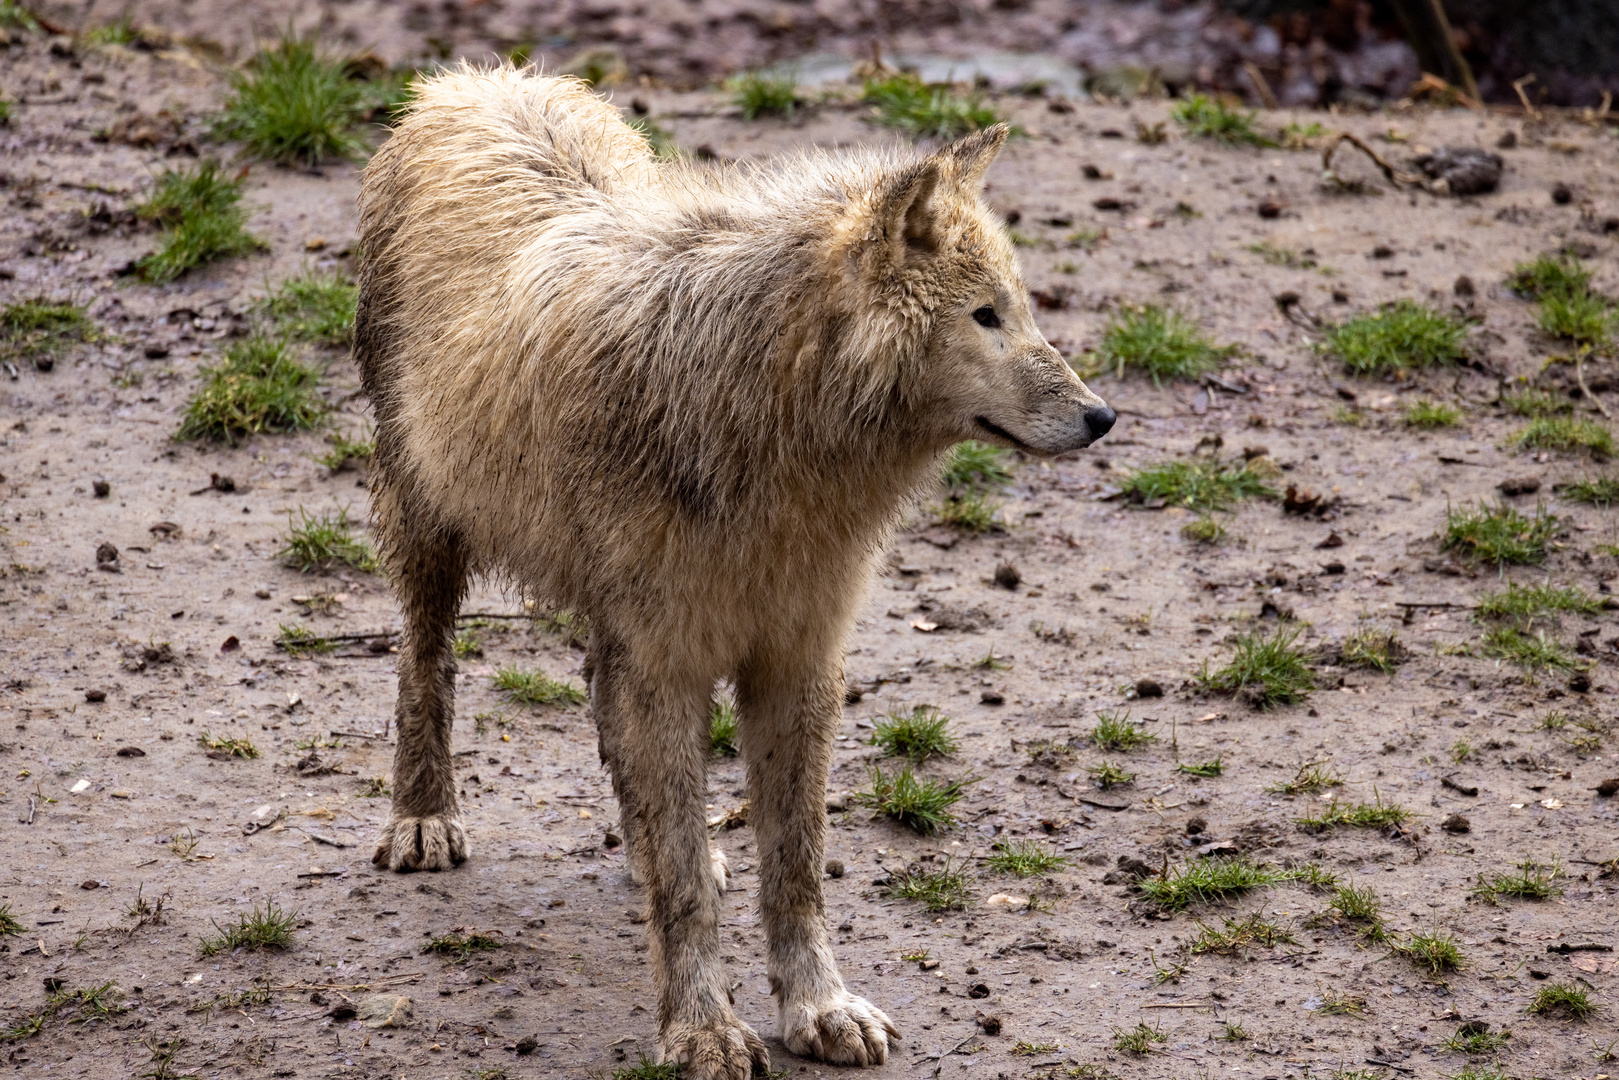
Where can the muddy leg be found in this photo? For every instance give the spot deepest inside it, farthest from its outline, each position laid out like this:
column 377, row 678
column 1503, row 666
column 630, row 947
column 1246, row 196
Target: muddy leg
column 788, row 711
column 429, row 572
column 657, row 743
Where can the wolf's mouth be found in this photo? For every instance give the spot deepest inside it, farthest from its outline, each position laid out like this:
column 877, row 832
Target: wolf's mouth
column 1001, row 433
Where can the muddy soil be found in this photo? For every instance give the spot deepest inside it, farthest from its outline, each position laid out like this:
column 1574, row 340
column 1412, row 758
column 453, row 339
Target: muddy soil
column 113, row 672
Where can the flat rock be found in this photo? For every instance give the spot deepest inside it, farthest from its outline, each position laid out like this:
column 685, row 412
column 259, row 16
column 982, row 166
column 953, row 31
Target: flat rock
column 384, row 1010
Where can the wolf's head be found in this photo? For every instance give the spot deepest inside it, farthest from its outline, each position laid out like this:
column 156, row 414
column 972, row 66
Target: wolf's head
column 931, row 254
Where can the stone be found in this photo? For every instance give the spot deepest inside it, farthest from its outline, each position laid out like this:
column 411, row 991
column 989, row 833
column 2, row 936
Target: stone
column 384, row 1011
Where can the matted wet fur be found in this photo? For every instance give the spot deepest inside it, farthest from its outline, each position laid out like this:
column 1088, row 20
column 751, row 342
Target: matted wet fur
column 691, row 404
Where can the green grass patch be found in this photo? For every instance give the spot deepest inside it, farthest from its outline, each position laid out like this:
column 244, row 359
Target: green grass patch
column 1206, row 880
column 926, row 110
column 1531, row 402
column 1549, row 275
column 1526, row 602
column 1373, row 815
column 203, row 219
column 1584, row 317
column 9, row 926
column 325, row 543
column 345, row 450
column 644, row 1069
column 1205, row 117
column 1204, row 769
column 468, row 644
column 1361, row 905
column 1499, row 534
column 1308, row 778
column 922, row 733
column 536, row 688
column 1566, row 433
column 1206, row 485
column 1116, row 731
column 1402, row 336
column 1108, row 775
column 1265, row 672
column 1334, row 1003
column 1475, row 1038
column 78, row 1006
column 759, row 94
column 266, row 928
column 460, row 947
column 974, row 464
column 1565, row 999
column 922, row 805
column 1429, row 415
column 1204, row 529
column 261, row 387
column 944, row 889
column 235, row 747
column 722, row 730
column 121, row 31
column 1139, row 1039
column 1160, row 341
column 1435, row 952
column 1528, row 881
column 1024, row 858
column 969, row 510
column 1602, row 492
column 1372, row 648
column 14, row 16
column 1534, row 651
column 1238, row 934
column 293, row 106
column 39, row 330
column 297, row 641
column 315, row 306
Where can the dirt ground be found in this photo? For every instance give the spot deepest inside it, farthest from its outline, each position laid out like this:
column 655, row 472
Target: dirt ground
column 102, row 798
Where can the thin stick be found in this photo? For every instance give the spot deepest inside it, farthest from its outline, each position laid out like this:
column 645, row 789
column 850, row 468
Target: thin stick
column 1518, row 85
column 1395, row 176
column 1579, row 373
column 1257, row 77
column 1179, row 1005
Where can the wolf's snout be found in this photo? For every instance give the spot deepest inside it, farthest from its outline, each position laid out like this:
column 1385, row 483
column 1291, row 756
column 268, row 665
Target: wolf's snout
column 1099, row 420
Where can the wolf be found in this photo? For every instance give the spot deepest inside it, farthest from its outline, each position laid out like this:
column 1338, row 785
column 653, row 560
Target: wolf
column 691, row 404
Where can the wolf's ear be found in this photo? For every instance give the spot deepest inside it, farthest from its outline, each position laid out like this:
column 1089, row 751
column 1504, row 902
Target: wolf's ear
column 971, row 157
column 904, row 218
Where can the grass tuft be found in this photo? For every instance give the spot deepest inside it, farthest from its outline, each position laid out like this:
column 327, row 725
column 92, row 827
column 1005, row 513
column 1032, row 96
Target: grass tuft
column 1429, row 415
column 1024, row 858
column 1108, row 775
column 261, row 387
column 298, row 641
column 1529, row 881
column 1535, row 652
column 1204, row 485
column 1238, row 934
column 1526, row 602
column 9, row 926
column 1334, row 1003
column 1401, row 336
column 945, row 889
column 922, row 805
column 241, row 748
column 1308, row 778
column 1499, row 534
column 1204, row 529
column 344, row 450
column 1563, row 998
column 270, row 928
column 1583, row 317
column 1373, row 648
column 926, row 110
column 293, row 106
column 1549, row 275
column 722, row 729
column 1469, row 1039
column 1139, row 1039
column 759, row 94
column 1357, row 905
column 38, row 329
column 919, row 734
column 1566, row 433
column 536, row 688
column 1162, row 342
column 325, row 543
column 1357, row 816
column 1532, row 403
column 976, row 464
column 460, row 947
column 314, row 306
column 1205, row 117
column 1205, row 769
column 1602, row 492
column 645, row 1069
column 1265, row 672
column 1434, row 952
column 1207, row 880
column 203, row 220
column 1116, row 731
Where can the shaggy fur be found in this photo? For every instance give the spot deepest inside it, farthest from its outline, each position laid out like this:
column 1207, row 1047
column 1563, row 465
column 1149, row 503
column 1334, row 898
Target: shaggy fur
column 692, row 405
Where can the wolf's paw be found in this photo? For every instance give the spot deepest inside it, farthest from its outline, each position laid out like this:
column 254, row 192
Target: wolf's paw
column 842, row 1029
column 421, row 843
column 723, row 1049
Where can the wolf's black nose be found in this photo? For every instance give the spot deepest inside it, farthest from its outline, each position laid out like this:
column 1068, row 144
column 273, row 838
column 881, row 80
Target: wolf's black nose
column 1099, row 420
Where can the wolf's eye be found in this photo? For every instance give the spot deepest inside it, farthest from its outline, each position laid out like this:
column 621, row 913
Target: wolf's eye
column 985, row 316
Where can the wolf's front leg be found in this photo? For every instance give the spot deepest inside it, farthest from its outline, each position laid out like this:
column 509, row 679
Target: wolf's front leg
column 788, row 716
column 659, row 757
